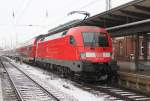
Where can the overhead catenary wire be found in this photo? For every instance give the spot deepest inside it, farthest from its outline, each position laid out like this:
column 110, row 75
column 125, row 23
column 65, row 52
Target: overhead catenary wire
column 85, row 6
column 15, row 18
column 89, row 4
column 22, row 12
column 27, row 3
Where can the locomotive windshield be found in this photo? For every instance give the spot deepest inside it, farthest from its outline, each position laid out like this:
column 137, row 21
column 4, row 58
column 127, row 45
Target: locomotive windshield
column 95, row 39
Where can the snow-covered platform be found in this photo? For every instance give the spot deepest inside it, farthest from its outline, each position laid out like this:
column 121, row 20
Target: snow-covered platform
column 1, row 95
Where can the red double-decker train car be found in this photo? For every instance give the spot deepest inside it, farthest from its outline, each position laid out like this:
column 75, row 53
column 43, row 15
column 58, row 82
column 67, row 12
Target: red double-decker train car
column 27, row 50
column 84, row 51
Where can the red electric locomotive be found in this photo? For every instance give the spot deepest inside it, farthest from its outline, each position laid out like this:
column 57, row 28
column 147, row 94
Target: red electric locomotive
column 84, row 51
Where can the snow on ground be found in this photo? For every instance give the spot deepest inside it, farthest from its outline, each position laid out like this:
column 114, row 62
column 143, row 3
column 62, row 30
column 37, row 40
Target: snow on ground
column 63, row 85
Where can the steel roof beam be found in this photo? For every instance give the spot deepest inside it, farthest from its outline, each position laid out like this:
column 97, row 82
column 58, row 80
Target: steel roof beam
column 126, row 18
column 108, row 23
column 99, row 23
column 130, row 24
column 113, row 19
column 96, row 21
column 135, row 14
column 88, row 22
column 103, row 23
column 147, row 9
column 92, row 24
column 130, row 29
column 109, row 20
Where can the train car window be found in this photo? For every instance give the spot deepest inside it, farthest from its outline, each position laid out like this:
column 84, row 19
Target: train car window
column 72, row 40
column 64, row 33
column 30, row 48
column 42, row 39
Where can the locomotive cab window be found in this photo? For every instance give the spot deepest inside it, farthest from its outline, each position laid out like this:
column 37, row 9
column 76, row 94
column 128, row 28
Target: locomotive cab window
column 103, row 40
column 95, row 39
column 72, row 40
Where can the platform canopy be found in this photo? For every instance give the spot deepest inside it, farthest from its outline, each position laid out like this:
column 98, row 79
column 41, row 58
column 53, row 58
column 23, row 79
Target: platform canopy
column 136, row 10
column 134, row 15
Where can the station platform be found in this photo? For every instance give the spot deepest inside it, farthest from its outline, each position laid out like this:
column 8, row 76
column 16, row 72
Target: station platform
column 126, row 66
column 130, row 77
column 131, row 66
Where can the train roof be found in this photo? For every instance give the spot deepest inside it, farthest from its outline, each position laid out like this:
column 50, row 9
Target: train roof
column 27, row 43
column 64, row 26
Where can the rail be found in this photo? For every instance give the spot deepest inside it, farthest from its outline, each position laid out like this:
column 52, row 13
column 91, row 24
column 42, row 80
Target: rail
column 19, row 78
column 13, row 85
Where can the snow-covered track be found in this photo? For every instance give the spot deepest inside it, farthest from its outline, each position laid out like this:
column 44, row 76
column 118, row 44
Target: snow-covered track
column 26, row 88
column 106, row 91
column 113, row 93
column 8, row 90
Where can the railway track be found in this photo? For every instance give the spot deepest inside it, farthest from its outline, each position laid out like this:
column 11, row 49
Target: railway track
column 26, row 88
column 112, row 93
column 8, row 91
column 120, row 94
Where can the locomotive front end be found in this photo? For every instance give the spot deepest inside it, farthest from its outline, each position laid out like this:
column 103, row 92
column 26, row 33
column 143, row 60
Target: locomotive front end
column 97, row 47
column 95, row 52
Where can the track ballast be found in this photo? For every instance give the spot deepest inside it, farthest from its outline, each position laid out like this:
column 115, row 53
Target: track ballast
column 26, row 88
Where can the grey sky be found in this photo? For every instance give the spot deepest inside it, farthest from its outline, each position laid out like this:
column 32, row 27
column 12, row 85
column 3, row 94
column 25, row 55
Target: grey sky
column 33, row 12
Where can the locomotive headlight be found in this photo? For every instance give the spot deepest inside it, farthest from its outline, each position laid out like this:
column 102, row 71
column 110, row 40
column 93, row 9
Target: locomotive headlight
column 83, row 55
column 90, row 54
column 106, row 54
column 87, row 54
